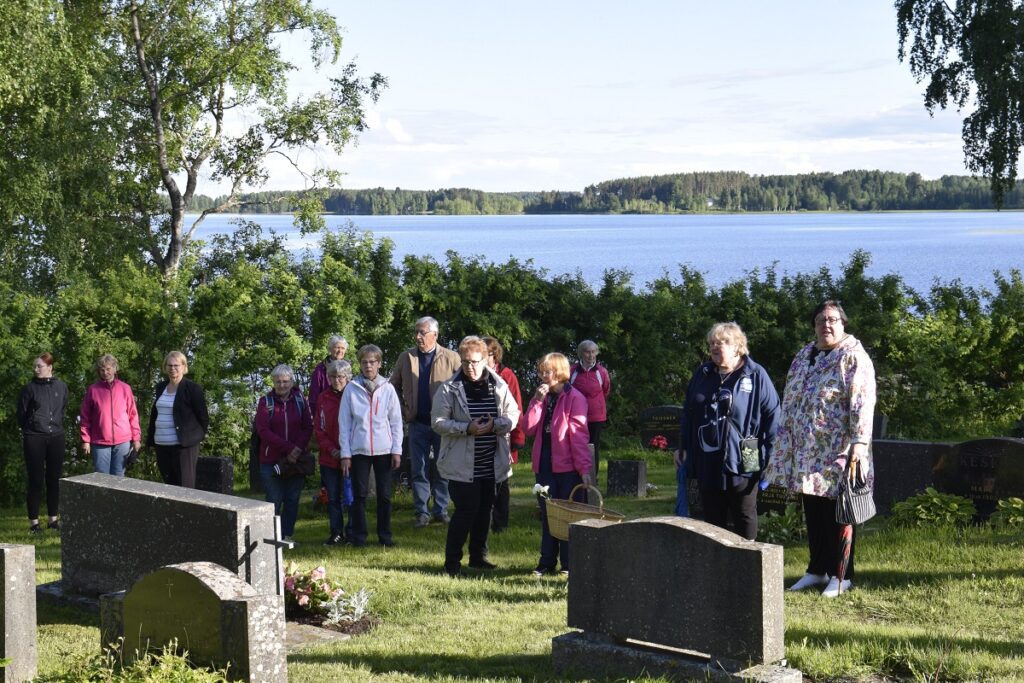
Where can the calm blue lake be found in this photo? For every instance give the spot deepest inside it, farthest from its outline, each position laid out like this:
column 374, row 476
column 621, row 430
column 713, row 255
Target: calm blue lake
column 921, row 247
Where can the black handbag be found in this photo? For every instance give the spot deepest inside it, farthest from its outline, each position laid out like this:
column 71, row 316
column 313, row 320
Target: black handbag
column 855, row 503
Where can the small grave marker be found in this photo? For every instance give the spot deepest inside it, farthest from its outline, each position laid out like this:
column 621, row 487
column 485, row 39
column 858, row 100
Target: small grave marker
column 659, row 427
column 18, row 612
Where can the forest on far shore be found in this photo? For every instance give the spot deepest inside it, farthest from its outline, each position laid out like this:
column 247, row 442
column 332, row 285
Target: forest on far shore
column 700, row 192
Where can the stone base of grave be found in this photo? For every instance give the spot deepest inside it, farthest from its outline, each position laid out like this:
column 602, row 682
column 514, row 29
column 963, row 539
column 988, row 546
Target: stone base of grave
column 581, row 655
column 54, row 594
column 299, row 636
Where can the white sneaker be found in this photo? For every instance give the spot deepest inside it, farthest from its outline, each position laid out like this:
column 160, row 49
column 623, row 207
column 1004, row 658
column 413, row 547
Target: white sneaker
column 808, row 580
column 835, row 587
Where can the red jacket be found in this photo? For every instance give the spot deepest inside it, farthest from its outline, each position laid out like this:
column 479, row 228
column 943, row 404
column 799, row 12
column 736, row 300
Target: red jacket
column 290, row 426
column 517, row 438
column 595, row 384
column 108, row 414
column 325, row 424
column 569, row 435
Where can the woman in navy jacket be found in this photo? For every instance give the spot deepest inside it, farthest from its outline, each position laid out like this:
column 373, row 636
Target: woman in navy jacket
column 178, row 423
column 728, row 430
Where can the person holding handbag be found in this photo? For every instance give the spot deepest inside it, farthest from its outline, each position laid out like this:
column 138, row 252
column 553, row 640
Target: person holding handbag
column 728, row 430
column 285, row 427
column 824, row 440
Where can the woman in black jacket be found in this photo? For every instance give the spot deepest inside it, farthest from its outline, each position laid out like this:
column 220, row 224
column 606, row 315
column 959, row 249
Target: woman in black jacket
column 177, row 423
column 41, row 407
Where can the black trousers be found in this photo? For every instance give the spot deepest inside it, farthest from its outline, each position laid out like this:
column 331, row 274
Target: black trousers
column 595, row 429
column 44, row 460
column 177, row 464
column 502, row 502
column 360, row 471
column 738, row 502
column 472, row 518
column 831, row 544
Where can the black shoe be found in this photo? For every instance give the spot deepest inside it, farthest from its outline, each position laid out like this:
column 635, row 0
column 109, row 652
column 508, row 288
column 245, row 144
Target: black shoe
column 498, row 529
column 482, row 564
column 35, row 529
column 336, row 539
column 455, row 573
column 387, row 544
column 55, row 525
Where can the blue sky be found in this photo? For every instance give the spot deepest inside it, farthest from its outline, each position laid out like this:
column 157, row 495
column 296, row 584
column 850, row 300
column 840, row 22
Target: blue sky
column 558, row 95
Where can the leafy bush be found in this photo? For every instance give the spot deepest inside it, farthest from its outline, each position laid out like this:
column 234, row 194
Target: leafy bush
column 1009, row 513
column 110, row 667
column 932, row 508
column 782, row 529
column 312, row 594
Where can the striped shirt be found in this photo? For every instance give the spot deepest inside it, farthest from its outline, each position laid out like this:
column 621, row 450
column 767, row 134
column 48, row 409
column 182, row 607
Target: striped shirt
column 165, row 433
column 482, row 402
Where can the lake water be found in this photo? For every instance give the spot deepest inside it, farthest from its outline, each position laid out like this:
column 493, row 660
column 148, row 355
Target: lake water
column 921, row 247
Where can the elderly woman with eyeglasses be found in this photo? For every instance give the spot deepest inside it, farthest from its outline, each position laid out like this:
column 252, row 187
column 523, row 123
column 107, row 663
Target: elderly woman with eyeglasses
column 825, row 435
column 728, row 430
column 326, row 425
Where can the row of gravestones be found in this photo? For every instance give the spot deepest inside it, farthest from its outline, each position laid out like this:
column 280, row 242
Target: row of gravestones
column 984, row 470
column 167, row 564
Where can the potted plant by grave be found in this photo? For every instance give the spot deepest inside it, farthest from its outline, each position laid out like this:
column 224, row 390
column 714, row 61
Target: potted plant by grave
column 311, row 597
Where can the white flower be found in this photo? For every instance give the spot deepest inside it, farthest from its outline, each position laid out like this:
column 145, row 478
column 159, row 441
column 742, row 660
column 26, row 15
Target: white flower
column 539, row 490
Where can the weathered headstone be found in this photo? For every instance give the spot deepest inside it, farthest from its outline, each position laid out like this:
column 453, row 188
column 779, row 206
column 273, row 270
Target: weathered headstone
column 627, row 478
column 114, row 530
column 218, row 618
column 984, row 470
column 681, row 586
column 904, row 469
column 18, row 611
column 659, row 427
column 215, row 474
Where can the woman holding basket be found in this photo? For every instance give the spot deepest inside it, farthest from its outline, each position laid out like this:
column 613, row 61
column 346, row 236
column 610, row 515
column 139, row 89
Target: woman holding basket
column 557, row 420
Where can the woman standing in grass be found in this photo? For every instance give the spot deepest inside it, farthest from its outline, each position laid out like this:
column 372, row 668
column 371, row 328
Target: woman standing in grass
column 178, row 423
column 824, row 435
column 557, row 420
column 370, row 435
column 109, row 420
column 41, row 408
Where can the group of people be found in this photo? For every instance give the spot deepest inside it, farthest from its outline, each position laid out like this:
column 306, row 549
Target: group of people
column 108, row 426
column 737, row 437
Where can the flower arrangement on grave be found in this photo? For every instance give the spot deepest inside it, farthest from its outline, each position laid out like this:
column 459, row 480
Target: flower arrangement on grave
column 541, row 491
column 312, row 595
column 658, row 441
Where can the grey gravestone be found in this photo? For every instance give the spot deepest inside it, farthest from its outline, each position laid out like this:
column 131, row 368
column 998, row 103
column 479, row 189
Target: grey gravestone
column 218, row 618
column 984, row 470
column 114, row 530
column 660, row 421
column 679, row 584
column 215, row 474
column 904, row 469
column 627, row 478
column 18, row 609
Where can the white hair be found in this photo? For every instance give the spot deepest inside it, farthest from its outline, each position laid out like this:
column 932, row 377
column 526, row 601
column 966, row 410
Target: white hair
column 431, row 323
column 282, row 370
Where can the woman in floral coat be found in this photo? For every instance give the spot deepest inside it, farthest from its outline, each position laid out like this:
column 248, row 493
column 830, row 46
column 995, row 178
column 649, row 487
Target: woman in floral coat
column 824, row 434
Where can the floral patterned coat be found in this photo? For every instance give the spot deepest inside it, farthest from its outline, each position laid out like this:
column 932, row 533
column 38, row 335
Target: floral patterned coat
column 826, row 407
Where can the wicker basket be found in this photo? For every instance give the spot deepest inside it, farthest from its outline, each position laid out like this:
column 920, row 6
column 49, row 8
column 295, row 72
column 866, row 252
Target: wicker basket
column 562, row 513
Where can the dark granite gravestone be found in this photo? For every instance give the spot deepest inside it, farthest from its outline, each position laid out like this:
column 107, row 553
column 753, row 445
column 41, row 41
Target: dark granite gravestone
column 627, row 478
column 215, row 474
column 984, row 470
column 218, row 618
column 903, row 469
column 114, row 530
column 681, row 585
column 775, row 499
column 18, row 612
column 659, row 427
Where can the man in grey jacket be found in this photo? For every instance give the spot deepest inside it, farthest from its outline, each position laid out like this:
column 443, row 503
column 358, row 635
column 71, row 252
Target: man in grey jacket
column 417, row 374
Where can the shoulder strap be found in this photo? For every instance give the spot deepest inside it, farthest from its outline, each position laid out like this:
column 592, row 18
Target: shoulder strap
column 269, row 400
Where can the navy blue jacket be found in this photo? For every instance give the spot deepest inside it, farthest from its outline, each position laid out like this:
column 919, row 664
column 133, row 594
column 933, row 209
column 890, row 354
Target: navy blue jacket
column 754, row 412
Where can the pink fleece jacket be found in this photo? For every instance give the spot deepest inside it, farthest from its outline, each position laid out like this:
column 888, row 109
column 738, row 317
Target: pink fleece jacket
column 109, row 415
column 569, row 434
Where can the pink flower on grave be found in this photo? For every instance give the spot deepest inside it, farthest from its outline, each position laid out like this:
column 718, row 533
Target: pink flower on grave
column 318, row 573
column 289, row 583
column 303, row 600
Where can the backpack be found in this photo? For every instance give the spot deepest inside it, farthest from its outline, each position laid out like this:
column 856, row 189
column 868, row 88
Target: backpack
column 254, row 438
column 576, row 370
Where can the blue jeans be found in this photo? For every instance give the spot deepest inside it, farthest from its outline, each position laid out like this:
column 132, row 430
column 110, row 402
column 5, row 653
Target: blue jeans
column 284, row 493
column 423, row 470
column 333, row 481
column 110, row 459
column 559, row 485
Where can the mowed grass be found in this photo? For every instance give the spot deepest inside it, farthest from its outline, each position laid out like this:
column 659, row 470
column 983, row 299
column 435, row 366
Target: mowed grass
column 929, row 604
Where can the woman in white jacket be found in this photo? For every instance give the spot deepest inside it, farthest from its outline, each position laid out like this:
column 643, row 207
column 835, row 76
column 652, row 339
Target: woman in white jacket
column 370, row 435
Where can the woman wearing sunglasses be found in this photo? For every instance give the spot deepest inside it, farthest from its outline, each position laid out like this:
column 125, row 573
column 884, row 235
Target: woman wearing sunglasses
column 728, row 430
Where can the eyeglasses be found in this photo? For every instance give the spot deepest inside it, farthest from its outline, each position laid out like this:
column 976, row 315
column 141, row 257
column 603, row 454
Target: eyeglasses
column 473, row 363
column 831, row 320
column 369, row 361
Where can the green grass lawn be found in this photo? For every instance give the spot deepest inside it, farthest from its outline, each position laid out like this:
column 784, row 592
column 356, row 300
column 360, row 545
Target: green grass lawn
column 928, row 604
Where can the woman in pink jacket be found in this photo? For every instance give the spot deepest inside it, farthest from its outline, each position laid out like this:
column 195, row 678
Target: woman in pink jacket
column 557, row 420
column 109, row 420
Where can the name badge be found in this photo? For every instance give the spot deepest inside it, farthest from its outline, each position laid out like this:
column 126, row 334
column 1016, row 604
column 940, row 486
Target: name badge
column 745, row 386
